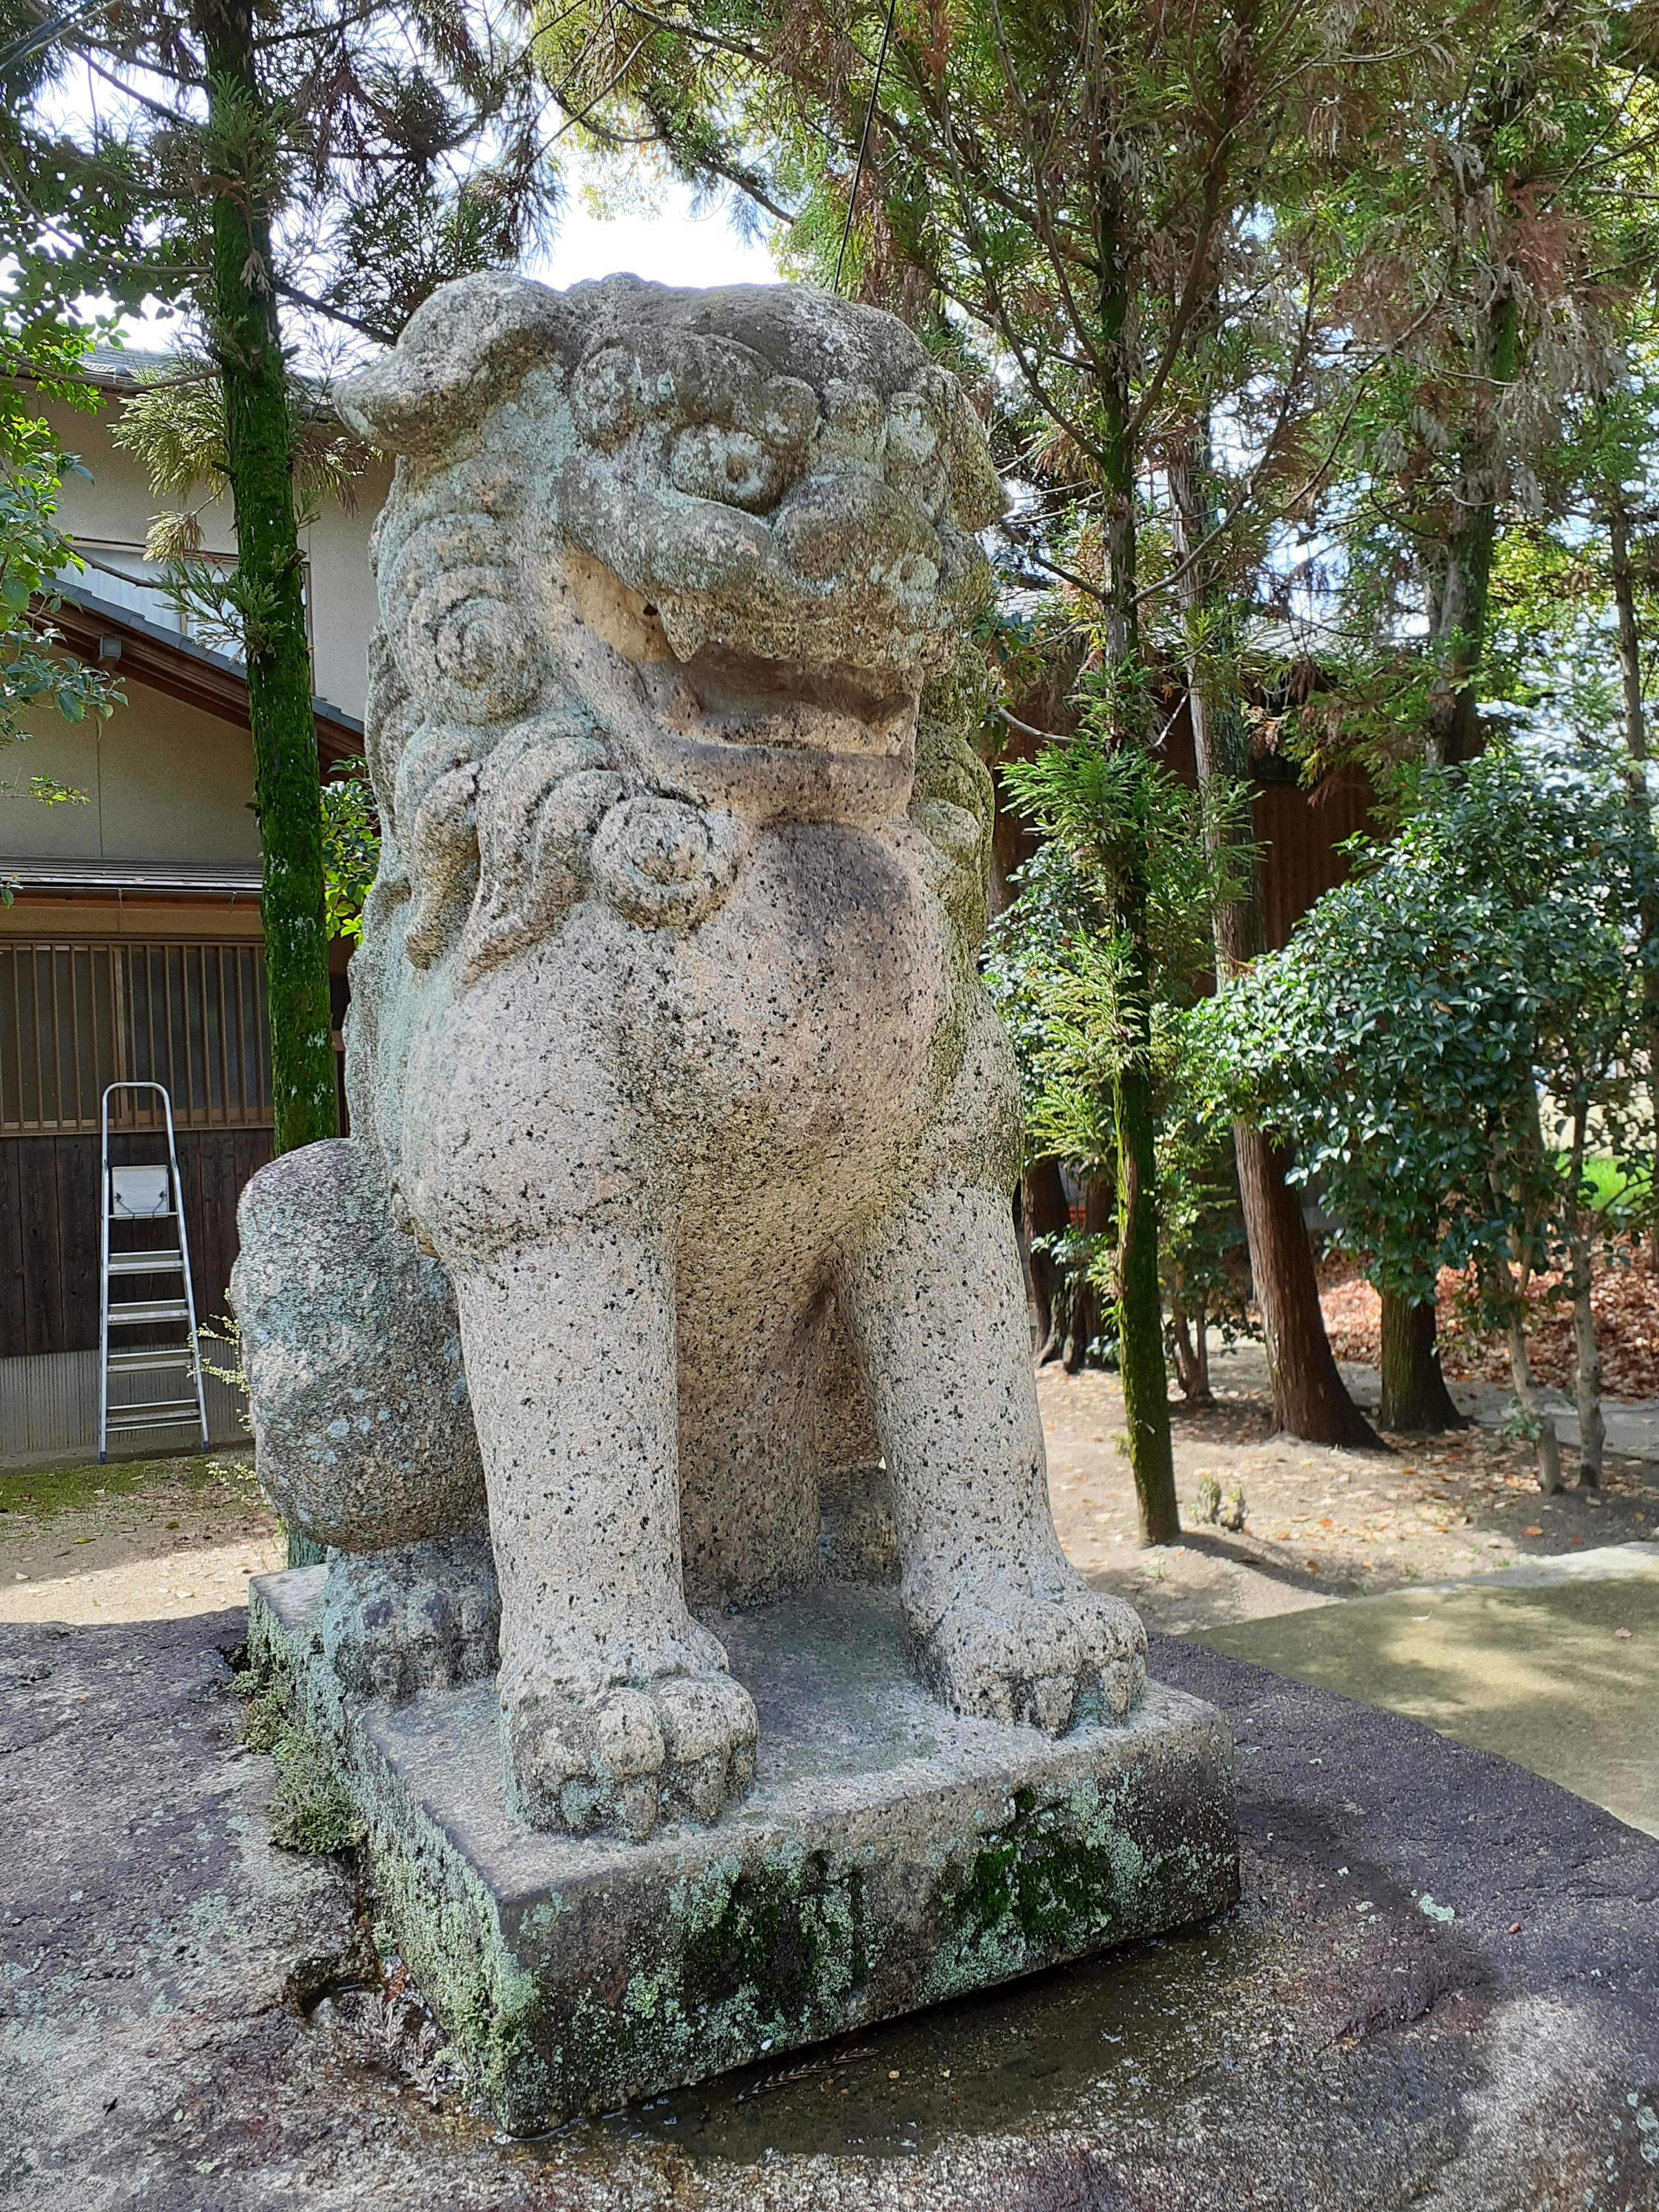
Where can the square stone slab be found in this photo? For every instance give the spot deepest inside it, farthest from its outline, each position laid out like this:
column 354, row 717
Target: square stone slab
column 892, row 1854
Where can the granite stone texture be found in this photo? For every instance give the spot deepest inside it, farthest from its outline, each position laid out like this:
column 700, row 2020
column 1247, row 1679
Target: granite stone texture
column 889, row 1855
column 667, row 1057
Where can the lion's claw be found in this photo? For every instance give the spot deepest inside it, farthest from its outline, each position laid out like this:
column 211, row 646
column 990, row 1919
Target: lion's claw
column 423, row 1617
column 1041, row 1649
column 633, row 1756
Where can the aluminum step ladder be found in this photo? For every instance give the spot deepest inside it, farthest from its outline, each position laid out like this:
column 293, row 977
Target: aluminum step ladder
column 149, row 1194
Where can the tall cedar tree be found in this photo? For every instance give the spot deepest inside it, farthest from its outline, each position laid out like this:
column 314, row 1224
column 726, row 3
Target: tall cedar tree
column 1496, row 239
column 338, row 165
column 1078, row 181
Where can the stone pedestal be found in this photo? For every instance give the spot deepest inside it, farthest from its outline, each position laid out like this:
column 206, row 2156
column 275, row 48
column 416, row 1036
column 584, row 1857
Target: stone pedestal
column 890, row 1854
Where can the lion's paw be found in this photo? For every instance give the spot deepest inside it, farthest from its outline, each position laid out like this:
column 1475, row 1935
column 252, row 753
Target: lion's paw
column 1041, row 1649
column 423, row 1617
column 628, row 1759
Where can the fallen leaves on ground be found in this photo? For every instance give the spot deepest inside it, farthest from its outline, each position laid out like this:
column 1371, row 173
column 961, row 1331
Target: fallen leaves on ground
column 1624, row 1298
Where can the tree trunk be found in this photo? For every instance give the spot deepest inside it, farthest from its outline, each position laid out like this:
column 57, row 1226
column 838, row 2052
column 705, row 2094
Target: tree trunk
column 1310, row 1399
column 1044, row 1213
column 1636, row 741
column 245, row 336
column 1515, row 1274
column 1140, row 1322
column 1081, row 1293
column 1415, row 1399
column 1453, row 732
column 1139, row 1299
column 1586, row 1352
column 1188, row 1326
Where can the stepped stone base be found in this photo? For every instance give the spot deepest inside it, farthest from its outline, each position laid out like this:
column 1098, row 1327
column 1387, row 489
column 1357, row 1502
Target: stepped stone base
column 890, row 1854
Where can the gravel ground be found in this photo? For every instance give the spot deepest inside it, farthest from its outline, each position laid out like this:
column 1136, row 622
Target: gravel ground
column 146, row 1539
column 1320, row 1524
column 161, row 1539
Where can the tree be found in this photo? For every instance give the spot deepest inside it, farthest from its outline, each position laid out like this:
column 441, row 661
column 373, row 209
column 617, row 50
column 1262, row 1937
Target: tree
column 1575, row 596
column 1129, row 923
column 1493, row 235
column 1484, row 974
column 39, row 359
column 264, row 161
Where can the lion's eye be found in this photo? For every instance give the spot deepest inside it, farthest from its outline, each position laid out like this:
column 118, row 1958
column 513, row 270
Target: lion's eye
column 732, row 466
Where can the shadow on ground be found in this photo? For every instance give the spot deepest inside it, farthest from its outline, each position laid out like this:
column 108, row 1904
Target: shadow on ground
column 1561, row 1676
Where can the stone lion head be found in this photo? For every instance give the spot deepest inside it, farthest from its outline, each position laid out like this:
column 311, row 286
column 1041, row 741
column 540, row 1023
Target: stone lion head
column 659, row 569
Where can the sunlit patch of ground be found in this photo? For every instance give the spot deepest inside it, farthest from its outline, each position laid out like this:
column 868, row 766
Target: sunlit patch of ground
column 151, row 1540
column 1320, row 1524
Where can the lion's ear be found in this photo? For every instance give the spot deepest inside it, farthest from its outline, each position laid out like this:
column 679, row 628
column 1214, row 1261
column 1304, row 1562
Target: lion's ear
column 462, row 353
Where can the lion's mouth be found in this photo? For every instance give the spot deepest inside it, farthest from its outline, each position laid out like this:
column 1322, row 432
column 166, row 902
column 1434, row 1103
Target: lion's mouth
column 741, row 701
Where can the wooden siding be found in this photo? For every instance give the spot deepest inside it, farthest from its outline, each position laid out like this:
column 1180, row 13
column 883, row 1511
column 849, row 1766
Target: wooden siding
column 1300, row 832
column 49, row 1228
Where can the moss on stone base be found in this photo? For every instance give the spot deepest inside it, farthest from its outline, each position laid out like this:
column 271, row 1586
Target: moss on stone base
column 1057, row 1880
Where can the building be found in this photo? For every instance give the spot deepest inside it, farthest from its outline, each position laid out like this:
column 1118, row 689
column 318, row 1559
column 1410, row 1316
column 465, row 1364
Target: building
column 132, row 945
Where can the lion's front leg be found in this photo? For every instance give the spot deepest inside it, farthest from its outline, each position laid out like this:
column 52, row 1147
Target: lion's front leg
column 617, row 1706
column 1001, row 1623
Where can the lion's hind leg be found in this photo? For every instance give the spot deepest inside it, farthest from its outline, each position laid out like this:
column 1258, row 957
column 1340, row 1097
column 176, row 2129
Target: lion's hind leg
column 1001, row 1624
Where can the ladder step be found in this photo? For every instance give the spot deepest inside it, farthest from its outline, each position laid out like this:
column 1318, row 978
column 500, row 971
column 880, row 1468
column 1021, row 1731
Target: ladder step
column 159, row 1417
column 146, row 1263
column 134, row 1311
column 149, row 1362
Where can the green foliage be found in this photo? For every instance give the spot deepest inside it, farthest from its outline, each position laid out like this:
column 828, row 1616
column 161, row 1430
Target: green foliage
column 351, row 847
column 1056, row 968
column 38, row 360
column 1137, row 837
column 1402, row 1041
column 392, row 145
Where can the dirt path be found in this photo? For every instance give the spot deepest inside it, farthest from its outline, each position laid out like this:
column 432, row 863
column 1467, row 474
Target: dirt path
column 162, row 1539
column 1320, row 1524
column 152, row 1539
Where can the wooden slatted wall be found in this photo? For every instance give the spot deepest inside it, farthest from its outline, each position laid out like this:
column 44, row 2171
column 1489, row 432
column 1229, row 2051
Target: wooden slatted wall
column 49, row 1228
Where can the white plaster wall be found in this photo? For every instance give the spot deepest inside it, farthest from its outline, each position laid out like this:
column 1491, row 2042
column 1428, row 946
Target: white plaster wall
column 117, row 507
column 164, row 781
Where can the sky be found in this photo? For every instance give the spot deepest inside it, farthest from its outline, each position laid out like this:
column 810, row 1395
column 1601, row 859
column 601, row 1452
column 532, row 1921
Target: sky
column 668, row 245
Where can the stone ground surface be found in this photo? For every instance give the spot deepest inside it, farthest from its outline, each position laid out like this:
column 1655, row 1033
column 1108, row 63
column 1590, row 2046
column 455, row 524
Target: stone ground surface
column 179, row 2025
column 1555, row 1667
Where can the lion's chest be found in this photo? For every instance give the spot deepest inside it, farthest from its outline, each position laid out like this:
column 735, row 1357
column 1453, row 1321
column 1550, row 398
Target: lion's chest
column 786, row 1049
column 802, row 1016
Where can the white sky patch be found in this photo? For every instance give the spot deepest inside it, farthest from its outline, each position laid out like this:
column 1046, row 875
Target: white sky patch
column 666, row 244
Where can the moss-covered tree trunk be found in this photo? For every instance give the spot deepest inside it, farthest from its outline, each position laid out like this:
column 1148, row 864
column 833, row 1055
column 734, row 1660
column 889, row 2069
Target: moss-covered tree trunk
column 1310, row 1399
column 239, row 310
column 1414, row 1394
column 1140, row 1307
column 1636, row 741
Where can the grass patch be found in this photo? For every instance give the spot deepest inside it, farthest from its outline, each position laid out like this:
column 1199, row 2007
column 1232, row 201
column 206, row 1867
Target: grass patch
column 205, row 1480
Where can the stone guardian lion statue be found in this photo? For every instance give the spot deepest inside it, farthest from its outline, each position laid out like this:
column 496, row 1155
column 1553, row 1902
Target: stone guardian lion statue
column 669, row 1266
